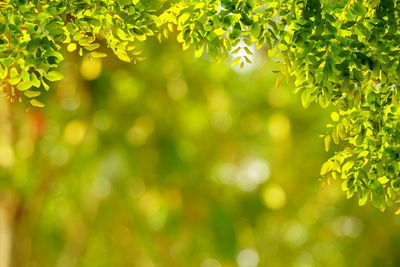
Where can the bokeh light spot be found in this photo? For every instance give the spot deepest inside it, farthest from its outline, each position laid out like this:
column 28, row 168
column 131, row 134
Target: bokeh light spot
column 6, row 155
column 127, row 87
column 248, row 258
column 102, row 120
column 91, row 68
column 252, row 124
column 279, row 127
column 295, row 234
column 177, row 89
column 137, row 187
column 141, row 130
column 247, row 176
column 274, row 196
column 221, row 121
column 74, row 132
column 347, row 226
column 210, row 262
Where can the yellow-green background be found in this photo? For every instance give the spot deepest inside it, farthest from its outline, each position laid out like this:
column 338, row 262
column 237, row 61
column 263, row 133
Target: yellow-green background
column 177, row 161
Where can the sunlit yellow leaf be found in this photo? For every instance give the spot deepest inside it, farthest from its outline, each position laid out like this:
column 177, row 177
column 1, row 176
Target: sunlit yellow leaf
column 335, row 116
column 31, row 94
column 36, row 103
column 278, row 81
column 327, row 141
column 236, row 61
column 71, row 47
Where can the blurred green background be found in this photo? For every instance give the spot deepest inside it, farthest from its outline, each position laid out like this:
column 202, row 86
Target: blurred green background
column 177, row 161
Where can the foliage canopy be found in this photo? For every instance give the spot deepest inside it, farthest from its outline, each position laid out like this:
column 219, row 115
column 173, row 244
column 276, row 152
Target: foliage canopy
column 340, row 53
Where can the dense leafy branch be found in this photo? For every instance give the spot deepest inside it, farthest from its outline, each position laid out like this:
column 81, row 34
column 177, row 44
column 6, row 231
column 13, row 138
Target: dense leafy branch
column 340, row 53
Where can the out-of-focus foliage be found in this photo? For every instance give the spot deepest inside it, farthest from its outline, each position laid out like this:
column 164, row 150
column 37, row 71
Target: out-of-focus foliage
column 177, row 161
column 341, row 53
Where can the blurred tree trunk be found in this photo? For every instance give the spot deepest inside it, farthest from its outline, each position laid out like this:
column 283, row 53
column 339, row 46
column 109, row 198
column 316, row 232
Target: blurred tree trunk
column 8, row 206
column 9, row 200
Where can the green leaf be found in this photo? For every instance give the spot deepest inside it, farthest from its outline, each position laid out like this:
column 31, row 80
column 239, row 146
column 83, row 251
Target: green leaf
column 71, row 47
column 122, row 55
column 347, row 166
column 85, row 41
column 326, row 167
column 3, row 71
column 32, row 94
column 335, row 136
column 24, row 85
column 36, row 103
column 236, row 61
column 278, row 80
column 327, row 142
column 35, row 81
column 183, row 18
column 13, row 72
column 96, row 54
column 349, row 193
column 358, row 9
column 327, row 70
column 235, row 34
column 256, row 30
column 363, row 200
column 15, row 80
column 398, row 69
column 358, row 75
column 248, row 50
column 92, row 47
column 383, row 180
column 46, row 87
column 335, row 116
column 199, row 51
column 234, row 52
column 53, row 76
